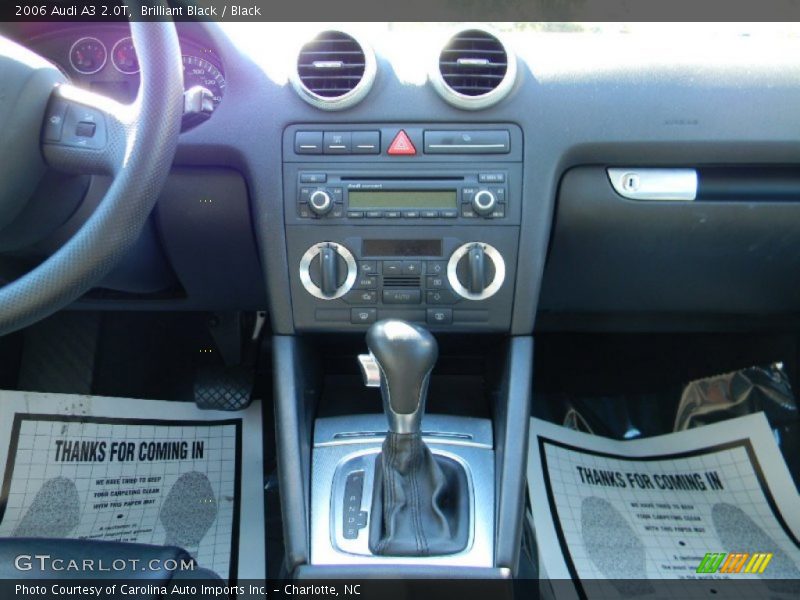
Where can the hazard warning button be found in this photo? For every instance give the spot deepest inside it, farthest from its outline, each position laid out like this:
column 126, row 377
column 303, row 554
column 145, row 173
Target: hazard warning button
column 401, row 145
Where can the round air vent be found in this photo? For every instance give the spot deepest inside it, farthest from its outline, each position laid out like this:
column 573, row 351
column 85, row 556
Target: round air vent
column 475, row 69
column 334, row 70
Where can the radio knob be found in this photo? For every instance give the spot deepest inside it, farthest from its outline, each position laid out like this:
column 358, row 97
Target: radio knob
column 320, row 202
column 476, row 271
column 484, row 202
column 327, row 270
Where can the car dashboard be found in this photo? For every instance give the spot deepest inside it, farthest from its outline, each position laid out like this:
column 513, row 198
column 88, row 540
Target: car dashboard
column 483, row 182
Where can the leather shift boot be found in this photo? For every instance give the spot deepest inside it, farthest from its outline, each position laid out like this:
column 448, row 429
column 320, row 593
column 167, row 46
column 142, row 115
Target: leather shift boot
column 420, row 503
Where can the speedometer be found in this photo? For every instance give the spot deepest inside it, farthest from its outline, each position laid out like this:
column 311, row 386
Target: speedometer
column 198, row 71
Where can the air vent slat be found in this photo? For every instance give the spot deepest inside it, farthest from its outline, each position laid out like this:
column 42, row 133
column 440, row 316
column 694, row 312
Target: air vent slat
column 359, row 66
column 401, row 282
column 473, row 64
column 340, row 65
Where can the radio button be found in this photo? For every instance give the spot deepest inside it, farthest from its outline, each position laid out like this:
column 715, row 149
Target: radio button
column 392, row 214
column 375, row 214
column 484, row 202
column 499, row 212
column 305, row 193
column 367, row 267
column 392, row 267
column 411, row 214
column 355, row 214
column 412, row 267
column 320, row 202
column 303, row 211
column 361, row 297
column 337, row 142
column 366, row 142
column 313, row 177
column 401, row 296
column 492, row 177
column 367, row 282
column 436, row 267
column 449, row 214
column 435, row 282
column 430, row 214
column 337, row 194
column 440, row 316
column 440, row 297
column 363, row 316
column 466, row 211
column 337, row 212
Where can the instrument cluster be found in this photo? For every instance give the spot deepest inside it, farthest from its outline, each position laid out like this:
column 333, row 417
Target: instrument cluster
column 105, row 61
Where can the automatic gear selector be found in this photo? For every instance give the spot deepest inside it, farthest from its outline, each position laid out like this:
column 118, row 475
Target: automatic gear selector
column 420, row 502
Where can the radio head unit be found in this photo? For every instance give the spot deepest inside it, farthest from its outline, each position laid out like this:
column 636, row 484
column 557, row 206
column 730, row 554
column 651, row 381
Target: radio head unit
column 343, row 197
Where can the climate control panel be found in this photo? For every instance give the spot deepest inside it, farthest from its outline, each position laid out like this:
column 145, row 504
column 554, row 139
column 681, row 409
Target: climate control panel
column 446, row 281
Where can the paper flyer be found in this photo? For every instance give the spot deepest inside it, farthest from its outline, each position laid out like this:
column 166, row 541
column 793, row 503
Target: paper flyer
column 141, row 471
column 711, row 503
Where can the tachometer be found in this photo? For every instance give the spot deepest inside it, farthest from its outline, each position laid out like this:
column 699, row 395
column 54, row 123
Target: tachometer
column 88, row 55
column 123, row 57
column 198, row 71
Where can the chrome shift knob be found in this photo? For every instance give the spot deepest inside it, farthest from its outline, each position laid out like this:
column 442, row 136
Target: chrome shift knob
column 405, row 354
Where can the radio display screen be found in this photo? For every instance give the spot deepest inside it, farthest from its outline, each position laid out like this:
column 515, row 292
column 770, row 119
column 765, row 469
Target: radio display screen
column 402, row 199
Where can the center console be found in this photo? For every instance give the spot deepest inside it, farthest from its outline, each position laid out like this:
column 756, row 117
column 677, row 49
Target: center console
column 408, row 233
column 426, row 230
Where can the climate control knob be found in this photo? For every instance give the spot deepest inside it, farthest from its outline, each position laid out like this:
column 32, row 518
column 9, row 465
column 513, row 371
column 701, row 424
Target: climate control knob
column 476, row 271
column 320, row 202
column 328, row 270
column 484, row 202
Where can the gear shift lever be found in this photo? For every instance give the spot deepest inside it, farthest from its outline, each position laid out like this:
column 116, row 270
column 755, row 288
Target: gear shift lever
column 420, row 504
column 405, row 354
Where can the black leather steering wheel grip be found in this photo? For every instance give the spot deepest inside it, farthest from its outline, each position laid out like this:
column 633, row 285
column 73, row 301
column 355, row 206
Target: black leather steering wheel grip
column 138, row 151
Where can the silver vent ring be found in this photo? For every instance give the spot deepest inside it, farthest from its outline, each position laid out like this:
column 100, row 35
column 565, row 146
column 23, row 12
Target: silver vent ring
column 348, row 99
column 482, row 101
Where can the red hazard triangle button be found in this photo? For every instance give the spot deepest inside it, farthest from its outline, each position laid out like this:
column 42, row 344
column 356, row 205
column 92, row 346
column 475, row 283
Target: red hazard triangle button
column 401, row 145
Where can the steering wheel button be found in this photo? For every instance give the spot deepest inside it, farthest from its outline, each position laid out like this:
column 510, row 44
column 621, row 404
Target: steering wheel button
column 85, row 129
column 54, row 122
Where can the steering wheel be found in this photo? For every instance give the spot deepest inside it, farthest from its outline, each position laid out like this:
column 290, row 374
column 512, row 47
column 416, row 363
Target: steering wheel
column 85, row 133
